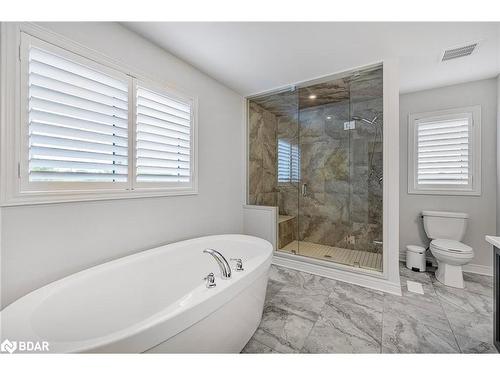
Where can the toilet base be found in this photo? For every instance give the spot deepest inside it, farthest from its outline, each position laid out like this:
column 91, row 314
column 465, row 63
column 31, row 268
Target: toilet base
column 450, row 275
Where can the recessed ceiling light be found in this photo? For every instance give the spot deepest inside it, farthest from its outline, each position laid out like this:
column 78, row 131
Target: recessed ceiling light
column 312, row 96
column 328, row 117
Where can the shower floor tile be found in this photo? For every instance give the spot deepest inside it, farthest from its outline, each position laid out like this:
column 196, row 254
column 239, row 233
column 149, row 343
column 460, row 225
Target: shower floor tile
column 355, row 258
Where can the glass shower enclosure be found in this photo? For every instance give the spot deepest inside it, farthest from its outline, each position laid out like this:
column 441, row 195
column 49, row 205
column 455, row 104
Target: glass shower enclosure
column 315, row 152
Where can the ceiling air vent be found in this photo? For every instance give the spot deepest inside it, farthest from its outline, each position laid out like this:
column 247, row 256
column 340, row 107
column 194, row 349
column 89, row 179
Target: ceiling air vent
column 455, row 53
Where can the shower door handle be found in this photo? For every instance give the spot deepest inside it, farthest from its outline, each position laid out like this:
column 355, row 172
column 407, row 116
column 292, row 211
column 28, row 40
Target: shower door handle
column 304, row 190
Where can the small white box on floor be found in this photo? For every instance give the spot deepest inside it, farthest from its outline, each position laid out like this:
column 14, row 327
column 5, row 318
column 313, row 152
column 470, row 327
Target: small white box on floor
column 414, row 287
column 415, row 258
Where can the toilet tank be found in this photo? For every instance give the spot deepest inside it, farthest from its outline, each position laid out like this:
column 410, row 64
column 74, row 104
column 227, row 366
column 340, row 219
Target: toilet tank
column 446, row 225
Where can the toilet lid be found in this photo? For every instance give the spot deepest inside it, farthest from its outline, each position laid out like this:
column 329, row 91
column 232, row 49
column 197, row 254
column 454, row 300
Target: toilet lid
column 451, row 245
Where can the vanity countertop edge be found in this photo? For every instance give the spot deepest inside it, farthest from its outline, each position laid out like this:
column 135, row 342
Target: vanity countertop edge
column 494, row 240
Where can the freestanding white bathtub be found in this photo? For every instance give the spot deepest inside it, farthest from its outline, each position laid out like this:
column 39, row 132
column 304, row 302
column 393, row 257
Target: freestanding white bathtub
column 155, row 301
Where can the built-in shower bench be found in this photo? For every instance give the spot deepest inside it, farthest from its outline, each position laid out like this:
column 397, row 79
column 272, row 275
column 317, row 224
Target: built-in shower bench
column 287, row 228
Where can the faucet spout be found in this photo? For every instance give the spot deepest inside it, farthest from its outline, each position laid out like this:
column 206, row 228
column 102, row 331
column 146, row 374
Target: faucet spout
column 225, row 268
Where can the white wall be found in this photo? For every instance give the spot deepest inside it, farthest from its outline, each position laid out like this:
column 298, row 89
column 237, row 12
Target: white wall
column 40, row 244
column 482, row 209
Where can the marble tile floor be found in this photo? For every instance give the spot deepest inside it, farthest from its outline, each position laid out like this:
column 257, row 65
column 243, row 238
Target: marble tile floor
column 304, row 313
column 355, row 258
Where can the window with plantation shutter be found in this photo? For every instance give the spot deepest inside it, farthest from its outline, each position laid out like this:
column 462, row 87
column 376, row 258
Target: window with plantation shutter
column 445, row 152
column 288, row 162
column 163, row 138
column 77, row 121
column 89, row 129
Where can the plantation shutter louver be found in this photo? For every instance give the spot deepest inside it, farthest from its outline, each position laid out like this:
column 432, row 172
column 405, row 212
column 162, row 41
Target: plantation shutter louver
column 77, row 121
column 163, row 138
column 443, row 152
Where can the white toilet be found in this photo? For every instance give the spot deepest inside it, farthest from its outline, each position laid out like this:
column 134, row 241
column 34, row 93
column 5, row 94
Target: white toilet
column 446, row 230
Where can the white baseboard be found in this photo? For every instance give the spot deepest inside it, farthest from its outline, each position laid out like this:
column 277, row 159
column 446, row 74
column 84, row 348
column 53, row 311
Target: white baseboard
column 479, row 269
column 348, row 276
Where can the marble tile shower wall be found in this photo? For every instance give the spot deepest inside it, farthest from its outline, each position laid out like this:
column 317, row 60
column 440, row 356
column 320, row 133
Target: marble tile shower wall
column 262, row 186
column 265, row 128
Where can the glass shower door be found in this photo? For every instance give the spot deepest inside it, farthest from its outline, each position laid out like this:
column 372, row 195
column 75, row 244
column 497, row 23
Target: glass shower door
column 288, row 166
column 366, row 169
column 340, row 196
column 324, row 199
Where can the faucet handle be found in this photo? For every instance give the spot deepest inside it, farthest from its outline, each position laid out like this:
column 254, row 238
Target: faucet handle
column 239, row 264
column 210, row 278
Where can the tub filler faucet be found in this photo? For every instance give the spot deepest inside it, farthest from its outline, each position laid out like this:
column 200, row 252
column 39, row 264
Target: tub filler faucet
column 225, row 269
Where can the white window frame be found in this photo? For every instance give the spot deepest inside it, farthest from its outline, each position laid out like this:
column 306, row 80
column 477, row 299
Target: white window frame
column 473, row 113
column 14, row 186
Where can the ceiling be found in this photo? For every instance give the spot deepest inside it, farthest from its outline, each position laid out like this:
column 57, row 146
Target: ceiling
column 361, row 85
column 256, row 57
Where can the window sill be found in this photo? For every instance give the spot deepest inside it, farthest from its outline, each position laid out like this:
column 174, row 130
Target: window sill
column 38, row 198
column 445, row 192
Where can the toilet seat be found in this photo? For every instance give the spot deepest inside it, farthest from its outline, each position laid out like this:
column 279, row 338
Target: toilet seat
column 451, row 246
